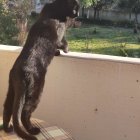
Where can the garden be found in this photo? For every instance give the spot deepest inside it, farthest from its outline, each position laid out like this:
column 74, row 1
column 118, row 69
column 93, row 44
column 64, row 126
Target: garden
column 101, row 39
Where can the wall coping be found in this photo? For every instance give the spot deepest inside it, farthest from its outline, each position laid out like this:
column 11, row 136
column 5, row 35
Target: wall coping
column 17, row 49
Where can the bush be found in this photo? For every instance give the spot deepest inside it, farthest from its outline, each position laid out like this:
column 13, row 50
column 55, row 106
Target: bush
column 8, row 29
column 138, row 39
column 125, row 24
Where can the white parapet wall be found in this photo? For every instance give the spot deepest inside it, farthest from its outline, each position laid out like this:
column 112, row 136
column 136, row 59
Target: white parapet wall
column 94, row 97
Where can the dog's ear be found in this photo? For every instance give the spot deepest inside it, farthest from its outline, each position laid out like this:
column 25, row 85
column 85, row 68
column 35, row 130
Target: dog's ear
column 75, row 7
column 73, row 2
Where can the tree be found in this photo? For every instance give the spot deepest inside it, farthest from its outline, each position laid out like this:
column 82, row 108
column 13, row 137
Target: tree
column 131, row 6
column 136, row 9
column 8, row 29
column 14, row 15
column 21, row 10
column 85, row 4
column 97, row 5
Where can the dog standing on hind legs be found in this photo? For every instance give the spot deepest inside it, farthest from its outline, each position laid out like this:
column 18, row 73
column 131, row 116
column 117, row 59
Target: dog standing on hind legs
column 27, row 76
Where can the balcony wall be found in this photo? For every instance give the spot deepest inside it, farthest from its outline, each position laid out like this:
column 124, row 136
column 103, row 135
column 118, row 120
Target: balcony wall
column 94, row 97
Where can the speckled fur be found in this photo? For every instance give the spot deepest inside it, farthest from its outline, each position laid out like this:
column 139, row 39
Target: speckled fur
column 27, row 76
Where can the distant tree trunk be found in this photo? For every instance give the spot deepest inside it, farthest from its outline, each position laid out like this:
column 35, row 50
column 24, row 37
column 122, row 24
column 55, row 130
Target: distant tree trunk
column 95, row 13
column 130, row 15
column 22, row 25
column 98, row 14
column 88, row 14
column 135, row 28
column 83, row 11
column 136, row 24
column 136, row 17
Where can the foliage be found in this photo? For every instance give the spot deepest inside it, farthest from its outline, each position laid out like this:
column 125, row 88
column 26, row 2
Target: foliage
column 14, row 17
column 86, row 3
column 97, row 5
column 130, row 6
column 103, row 22
column 21, row 10
column 107, row 40
column 8, row 29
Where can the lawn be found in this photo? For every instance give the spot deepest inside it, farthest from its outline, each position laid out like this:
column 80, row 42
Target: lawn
column 104, row 40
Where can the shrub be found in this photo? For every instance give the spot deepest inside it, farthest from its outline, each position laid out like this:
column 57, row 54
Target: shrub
column 8, row 29
column 125, row 24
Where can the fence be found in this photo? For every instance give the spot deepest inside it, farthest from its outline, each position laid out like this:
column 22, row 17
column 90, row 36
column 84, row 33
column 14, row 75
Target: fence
column 113, row 15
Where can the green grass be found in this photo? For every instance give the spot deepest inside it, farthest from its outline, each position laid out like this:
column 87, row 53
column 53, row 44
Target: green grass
column 106, row 40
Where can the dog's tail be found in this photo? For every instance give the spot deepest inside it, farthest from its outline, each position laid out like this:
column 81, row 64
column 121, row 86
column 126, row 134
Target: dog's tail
column 16, row 115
